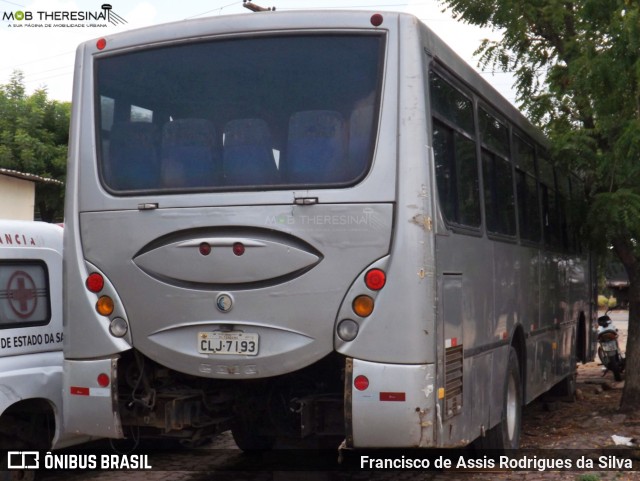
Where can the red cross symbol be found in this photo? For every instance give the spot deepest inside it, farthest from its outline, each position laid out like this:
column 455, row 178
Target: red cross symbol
column 23, row 294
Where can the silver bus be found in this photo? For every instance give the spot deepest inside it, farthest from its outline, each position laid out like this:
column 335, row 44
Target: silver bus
column 299, row 224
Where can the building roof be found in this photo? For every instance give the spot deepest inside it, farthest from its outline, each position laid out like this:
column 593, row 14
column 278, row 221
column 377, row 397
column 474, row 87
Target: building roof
column 31, row 177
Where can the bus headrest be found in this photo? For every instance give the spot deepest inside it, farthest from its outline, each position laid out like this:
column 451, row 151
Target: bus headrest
column 316, row 146
column 248, row 153
column 133, row 154
column 190, row 154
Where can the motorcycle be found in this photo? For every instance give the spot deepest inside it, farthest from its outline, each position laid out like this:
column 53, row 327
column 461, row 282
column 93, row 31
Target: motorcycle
column 608, row 349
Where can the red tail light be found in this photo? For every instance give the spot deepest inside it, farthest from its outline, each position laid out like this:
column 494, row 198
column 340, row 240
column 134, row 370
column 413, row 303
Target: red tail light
column 103, row 380
column 95, row 282
column 205, row 248
column 375, row 279
column 361, row 383
column 238, row 248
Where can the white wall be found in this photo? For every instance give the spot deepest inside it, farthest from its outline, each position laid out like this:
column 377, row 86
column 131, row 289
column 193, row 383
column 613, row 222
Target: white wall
column 17, row 198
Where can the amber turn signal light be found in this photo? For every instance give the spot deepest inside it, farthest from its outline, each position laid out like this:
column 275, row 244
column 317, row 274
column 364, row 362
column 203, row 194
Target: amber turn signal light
column 363, row 306
column 105, row 306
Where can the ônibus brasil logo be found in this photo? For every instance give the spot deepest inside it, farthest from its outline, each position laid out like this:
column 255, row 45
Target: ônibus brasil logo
column 106, row 14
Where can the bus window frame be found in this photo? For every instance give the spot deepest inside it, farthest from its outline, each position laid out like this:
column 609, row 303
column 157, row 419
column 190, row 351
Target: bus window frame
column 496, row 156
column 381, row 35
column 435, row 116
column 531, row 176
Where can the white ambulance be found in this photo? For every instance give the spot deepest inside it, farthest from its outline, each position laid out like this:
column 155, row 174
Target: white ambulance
column 31, row 336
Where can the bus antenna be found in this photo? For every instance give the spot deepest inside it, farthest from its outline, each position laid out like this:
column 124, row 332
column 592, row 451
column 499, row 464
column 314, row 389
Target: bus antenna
column 256, row 8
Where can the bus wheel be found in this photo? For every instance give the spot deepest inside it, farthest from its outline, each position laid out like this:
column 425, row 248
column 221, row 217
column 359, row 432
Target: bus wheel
column 506, row 435
column 565, row 390
column 249, row 438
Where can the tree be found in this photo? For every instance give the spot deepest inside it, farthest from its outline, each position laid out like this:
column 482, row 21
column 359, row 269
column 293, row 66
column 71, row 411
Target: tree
column 577, row 70
column 34, row 133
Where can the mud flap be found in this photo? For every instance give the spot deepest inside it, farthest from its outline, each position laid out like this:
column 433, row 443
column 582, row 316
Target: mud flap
column 395, row 410
column 90, row 408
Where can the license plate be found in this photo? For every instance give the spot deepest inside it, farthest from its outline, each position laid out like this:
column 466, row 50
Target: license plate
column 238, row 343
column 609, row 346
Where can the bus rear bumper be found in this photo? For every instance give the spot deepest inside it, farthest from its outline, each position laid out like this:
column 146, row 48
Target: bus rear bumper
column 396, row 409
column 90, row 398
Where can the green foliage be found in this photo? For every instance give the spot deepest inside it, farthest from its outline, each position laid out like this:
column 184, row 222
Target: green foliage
column 605, row 302
column 588, row 477
column 614, row 214
column 34, row 132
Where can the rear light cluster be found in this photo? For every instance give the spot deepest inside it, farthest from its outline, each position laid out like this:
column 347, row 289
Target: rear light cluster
column 205, row 248
column 363, row 304
column 105, row 305
column 118, row 328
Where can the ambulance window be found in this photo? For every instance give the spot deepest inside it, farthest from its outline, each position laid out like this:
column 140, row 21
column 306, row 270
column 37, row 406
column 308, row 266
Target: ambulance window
column 24, row 294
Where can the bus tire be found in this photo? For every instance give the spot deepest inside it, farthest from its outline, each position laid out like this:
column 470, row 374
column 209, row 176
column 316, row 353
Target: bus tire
column 565, row 390
column 506, row 434
column 249, row 438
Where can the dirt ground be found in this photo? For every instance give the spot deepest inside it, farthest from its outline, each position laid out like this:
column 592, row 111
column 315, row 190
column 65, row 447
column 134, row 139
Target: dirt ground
column 588, row 423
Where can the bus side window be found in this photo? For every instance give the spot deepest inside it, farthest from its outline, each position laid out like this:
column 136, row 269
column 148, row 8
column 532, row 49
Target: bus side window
column 316, row 147
column 527, row 191
column 577, row 211
column 528, row 210
column 190, row 154
column 549, row 194
column 498, row 194
column 498, row 178
column 456, row 176
column 562, row 180
column 454, row 148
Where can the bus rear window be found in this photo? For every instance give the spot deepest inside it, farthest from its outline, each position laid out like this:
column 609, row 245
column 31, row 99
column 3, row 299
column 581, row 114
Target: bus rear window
column 246, row 113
